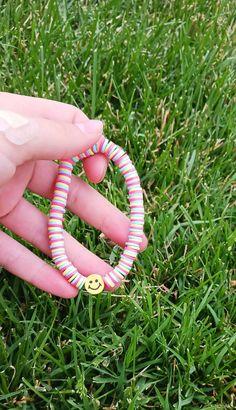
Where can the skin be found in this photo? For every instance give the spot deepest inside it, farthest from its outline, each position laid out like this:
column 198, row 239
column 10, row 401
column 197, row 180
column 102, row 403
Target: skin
column 52, row 135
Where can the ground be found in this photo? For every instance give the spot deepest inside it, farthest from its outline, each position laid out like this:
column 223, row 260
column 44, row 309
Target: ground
column 161, row 75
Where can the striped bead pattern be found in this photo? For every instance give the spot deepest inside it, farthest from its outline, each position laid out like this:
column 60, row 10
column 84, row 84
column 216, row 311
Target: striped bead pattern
column 58, row 205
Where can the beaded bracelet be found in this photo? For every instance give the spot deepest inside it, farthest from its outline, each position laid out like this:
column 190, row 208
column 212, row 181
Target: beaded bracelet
column 94, row 283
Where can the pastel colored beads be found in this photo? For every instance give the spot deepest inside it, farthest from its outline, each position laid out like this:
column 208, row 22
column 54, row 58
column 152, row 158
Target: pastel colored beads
column 95, row 283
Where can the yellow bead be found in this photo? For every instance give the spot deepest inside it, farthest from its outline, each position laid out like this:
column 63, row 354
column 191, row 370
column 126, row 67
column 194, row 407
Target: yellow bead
column 94, row 284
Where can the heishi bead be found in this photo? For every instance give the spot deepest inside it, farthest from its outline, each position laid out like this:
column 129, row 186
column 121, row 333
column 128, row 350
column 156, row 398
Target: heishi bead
column 58, row 206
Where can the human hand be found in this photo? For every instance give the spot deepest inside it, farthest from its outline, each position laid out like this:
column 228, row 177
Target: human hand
column 50, row 130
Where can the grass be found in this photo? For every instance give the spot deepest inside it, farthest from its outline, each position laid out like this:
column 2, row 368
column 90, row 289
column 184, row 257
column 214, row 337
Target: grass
column 161, row 74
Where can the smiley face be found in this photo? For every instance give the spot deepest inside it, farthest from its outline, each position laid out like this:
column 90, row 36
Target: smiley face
column 94, row 284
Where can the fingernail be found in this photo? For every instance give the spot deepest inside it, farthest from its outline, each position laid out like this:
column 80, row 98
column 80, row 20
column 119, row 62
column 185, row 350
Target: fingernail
column 3, row 124
column 90, row 127
column 10, row 124
column 11, row 119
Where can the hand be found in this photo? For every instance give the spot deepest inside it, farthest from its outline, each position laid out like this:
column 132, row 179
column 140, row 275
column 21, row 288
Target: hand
column 50, row 130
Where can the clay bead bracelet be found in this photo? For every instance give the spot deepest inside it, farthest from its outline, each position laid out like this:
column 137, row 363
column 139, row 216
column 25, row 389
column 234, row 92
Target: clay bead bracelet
column 95, row 283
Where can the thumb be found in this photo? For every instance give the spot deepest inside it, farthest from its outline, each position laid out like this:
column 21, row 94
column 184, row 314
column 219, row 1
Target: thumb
column 23, row 139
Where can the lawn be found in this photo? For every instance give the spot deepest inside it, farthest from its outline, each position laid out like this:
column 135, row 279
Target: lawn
column 161, row 75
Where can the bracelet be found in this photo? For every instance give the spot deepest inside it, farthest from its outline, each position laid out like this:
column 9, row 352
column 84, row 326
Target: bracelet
column 95, row 283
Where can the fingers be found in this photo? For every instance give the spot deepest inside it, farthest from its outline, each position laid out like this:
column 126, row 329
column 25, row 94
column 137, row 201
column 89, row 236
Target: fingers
column 31, row 224
column 86, row 202
column 11, row 192
column 7, row 169
column 39, row 138
column 95, row 167
column 43, row 139
column 18, row 260
column 41, row 107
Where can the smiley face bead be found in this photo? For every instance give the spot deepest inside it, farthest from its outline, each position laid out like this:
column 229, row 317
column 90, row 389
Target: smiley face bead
column 94, row 284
